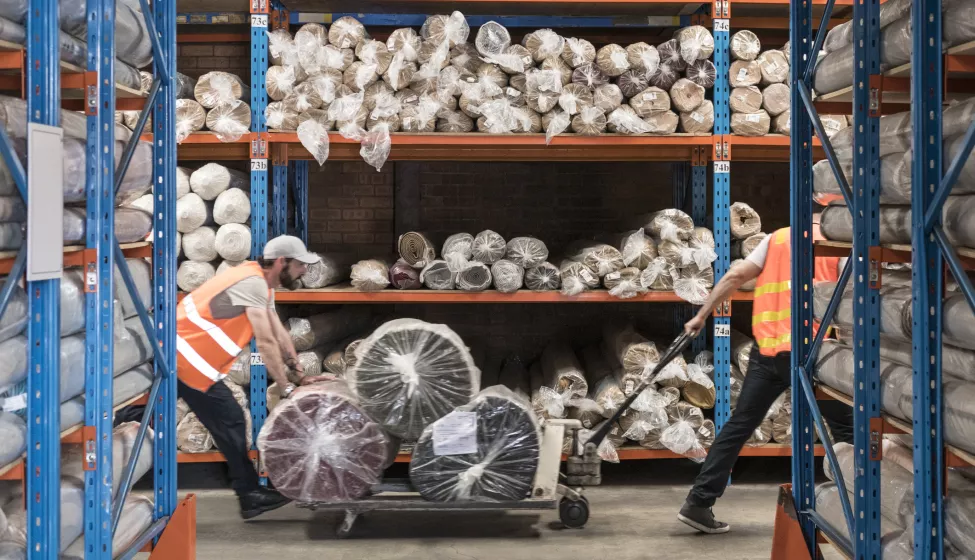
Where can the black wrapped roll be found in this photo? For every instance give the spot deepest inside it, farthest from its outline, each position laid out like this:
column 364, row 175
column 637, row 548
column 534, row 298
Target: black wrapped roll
column 505, row 443
column 543, row 277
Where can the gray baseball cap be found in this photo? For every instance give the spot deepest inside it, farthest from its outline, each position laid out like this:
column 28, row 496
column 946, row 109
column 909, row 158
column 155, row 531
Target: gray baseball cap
column 289, row 247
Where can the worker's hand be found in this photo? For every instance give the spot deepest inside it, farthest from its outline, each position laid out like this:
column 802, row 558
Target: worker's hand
column 312, row 379
column 285, row 392
column 694, row 326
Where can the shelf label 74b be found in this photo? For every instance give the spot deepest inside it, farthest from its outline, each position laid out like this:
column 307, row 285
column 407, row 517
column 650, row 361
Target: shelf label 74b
column 258, row 20
column 722, row 167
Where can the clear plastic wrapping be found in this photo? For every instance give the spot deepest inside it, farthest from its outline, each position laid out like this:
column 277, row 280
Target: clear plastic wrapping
column 696, row 43
column 216, row 88
column 624, row 120
column 745, row 221
column 700, row 120
column 313, row 135
column 693, row 283
column 416, row 249
column 229, row 121
column 632, row 82
column 774, row 67
column 452, row 29
column 474, row 277
column 346, row 33
column 658, row 275
column 643, row 58
column 636, row 248
column 543, row 277
column 555, row 122
column 574, row 98
column 562, row 372
column 232, row 206
column 669, row 225
column 233, row 242
column 631, row 355
column 544, row 44
column 191, row 275
column 624, row 283
column 607, row 97
column 745, row 45
column 681, row 436
column 612, row 60
column 600, row 258
column 326, row 328
column 409, row 373
column 578, row 52
column 351, row 450
column 280, row 81
column 406, row 41
column 370, row 275
column 198, row 245
column 649, row 101
column 751, row 124
column 508, row 276
column 702, row 73
column 190, row 118
column 192, row 436
column 576, row 277
column 776, row 99
column 404, row 277
column 501, row 467
column 745, row 73
column 438, row 276
column 526, row 252
column 686, row 95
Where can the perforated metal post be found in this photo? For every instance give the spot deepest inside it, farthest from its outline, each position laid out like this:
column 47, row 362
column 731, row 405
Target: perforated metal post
column 44, row 312
column 866, row 281
column 721, row 202
column 300, row 194
column 927, row 278
column 699, row 212
column 279, row 191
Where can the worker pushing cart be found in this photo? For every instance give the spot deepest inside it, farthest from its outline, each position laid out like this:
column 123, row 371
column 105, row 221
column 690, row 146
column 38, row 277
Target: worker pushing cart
column 769, row 367
column 214, row 324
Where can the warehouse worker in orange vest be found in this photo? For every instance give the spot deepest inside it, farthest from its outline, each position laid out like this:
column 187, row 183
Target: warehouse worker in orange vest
column 769, row 369
column 214, row 324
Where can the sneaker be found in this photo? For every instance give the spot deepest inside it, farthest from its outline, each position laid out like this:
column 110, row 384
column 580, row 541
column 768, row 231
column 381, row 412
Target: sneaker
column 702, row 519
column 260, row 501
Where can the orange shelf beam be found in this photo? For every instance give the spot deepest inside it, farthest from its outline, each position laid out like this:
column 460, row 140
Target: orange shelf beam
column 888, row 253
column 209, row 457
column 351, row 295
column 77, row 255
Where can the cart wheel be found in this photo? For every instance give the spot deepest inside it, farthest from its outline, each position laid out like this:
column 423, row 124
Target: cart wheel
column 574, row 513
column 345, row 527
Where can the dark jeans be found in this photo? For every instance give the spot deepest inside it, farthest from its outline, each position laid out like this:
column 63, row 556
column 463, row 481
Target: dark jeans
column 766, row 379
column 219, row 413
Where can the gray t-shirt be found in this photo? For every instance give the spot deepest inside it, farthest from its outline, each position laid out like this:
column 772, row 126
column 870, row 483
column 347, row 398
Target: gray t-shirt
column 234, row 301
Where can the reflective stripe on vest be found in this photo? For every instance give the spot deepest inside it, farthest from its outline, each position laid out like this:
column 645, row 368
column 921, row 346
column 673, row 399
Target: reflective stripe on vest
column 772, row 307
column 206, row 346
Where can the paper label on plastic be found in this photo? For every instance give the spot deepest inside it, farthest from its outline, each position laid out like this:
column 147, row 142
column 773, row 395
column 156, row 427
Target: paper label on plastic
column 613, row 276
column 586, row 275
column 470, row 79
column 753, row 117
column 651, row 95
column 256, row 359
column 15, row 403
column 512, row 92
column 742, row 74
column 721, row 24
column 628, row 387
column 455, row 434
column 697, row 117
column 704, row 432
column 723, row 331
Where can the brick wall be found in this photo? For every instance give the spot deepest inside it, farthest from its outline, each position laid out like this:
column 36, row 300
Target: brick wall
column 196, row 59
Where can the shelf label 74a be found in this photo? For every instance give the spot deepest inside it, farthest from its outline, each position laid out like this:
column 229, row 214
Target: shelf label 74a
column 258, row 20
column 722, row 167
column 722, row 331
column 259, row 164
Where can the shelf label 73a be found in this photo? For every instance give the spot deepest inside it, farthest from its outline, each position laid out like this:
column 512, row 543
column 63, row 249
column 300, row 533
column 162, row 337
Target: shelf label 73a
column 259, row 164
column 258, row 20
column 722, row 167
column 722, row 331
column 722, row 25
column 256, row 359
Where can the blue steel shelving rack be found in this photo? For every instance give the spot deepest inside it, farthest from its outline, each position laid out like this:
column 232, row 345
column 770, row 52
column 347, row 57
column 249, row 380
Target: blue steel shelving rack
column 105, row 254
column 932, row 180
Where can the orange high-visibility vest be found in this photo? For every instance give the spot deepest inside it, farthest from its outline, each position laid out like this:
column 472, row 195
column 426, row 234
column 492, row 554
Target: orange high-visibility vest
column 772, row 307
column 206, row 347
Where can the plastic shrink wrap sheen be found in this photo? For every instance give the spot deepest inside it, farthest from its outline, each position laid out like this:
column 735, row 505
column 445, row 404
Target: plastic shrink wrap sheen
column 408, row 373
column 325, row 328
column 631, row 356
column 370, row 275
column 604, row 388
column 576, row 277
column 895, row 222
column 563, row 374
column 700, row 120
column 745, row 45
column 600, row 258
column 191, row 275
column 215, row 88
column 351, row 449
column 500, row 466
column 508, row 276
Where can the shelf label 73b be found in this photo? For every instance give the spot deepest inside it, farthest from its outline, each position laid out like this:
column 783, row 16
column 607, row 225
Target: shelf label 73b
column 259, row 164
column 258, row 20
column 722, row 25
column 722, row 331
column 722, row 167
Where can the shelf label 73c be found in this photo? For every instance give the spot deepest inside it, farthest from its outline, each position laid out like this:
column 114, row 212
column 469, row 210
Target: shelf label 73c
column 258, row 20
column 722, row 25
column 722, row 167
column 259, row 164
column 722, row 331
column 257, row 360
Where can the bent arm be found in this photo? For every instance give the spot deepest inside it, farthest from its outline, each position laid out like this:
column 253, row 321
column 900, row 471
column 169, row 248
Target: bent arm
column 283, row 337
column 267, row 343
column 737, row 275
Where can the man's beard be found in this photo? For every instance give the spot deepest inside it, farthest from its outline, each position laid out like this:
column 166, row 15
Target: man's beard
column 288, row 281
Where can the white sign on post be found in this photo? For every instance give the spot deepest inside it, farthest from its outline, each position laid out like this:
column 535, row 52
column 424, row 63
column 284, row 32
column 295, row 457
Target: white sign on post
column 259, row 164
column 722, row 167
column 722, row 331
column 256, row 359
column 722, row 25
column 258, row 20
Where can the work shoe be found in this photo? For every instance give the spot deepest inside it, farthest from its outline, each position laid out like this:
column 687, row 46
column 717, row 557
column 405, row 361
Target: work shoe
column 259, row 501
column 702, row 519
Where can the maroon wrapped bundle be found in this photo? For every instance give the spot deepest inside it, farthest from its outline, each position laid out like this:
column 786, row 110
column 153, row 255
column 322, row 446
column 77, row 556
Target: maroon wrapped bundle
column 404, row 276
column 318, row 445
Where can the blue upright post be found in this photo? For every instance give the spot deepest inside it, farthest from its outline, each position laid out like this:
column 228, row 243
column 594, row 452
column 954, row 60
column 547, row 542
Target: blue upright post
column 721, row 202
column 164, row 261
column 44, row 312
column 699, row 213
column 279, row 190
column 800, row 178
column 260, row 10
column 927, row 272
column 301, row 199
column 866, row 280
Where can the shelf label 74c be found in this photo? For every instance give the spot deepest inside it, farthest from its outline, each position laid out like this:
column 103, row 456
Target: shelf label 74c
column 722, row 167
column 722, row 25
column 256, row 359
column 259, row 164
column 722, row 331
column 258, row 20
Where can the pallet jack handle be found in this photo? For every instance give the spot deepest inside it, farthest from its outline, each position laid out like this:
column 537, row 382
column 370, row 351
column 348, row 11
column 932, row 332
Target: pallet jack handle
column 675, row 349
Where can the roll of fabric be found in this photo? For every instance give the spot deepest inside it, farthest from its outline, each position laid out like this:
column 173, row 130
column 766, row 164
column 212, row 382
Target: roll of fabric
column 745, row 45
column 741, row 248
column 369, row 275
column 410, row 373
column 659, row 275
column 700, row 120
column 576, row 277
column 460, row 245
column 578, row 52
column 232, row 206
column 782, row 124
column 353, row 450
column 214, row 88
column 416, row 249
column 233, row 242
column 776, row 99
column 562, row 372
column 404, row 277
column 474, row 277
column 746, row 99
column 199, row 244
column 650, row 101
column 192, row 437
column 624, row 283
column 745, row 73
column 500, row 467
column 774, row 66
column 686, row 95
column 526, row 252
column 631, row 355
column 328, row 327
column 745, row 221
column 508, row 277
column 670, row 224
column 751, row 124
column 229, row 121
column 213, row 179
column 600, row 258
column 607, row 97
column 331, row 269
column 544, row 277
column 696, row 43
column 438, row 276
column 191, row 275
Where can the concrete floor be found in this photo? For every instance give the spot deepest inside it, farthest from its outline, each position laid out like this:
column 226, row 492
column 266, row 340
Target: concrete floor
column 633, row 517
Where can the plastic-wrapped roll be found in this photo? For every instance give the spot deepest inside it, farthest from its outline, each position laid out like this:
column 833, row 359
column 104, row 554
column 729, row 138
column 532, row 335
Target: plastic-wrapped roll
column 213, row 179
column 624, row 283
column 774, row 67
column 631, row 355
column 745, row 45
column 600, row 258
column 544, row 44
column 198, row 245
column 591, row 121
column 233, row 242
column 669, row 52
column 574, row 97
column 751, row 124
column 191, row 213
column 649, row 101
column 515, row 59
column 508, row 276
column 369, row 275
column 215, row 88
column 232, row 206
column 562, row 372
column 346, row 33
column 745, row 73
column 492, row 39
column 438, row 276
column 578, row 52
column 131, row 225
column 836, row 224
column 632, row 82
column 410, row 373
column 658, row 275
column 643, row 58
column 190, row 118
column 488, row 247
column 502, row 464
column 696, row 43
column 454, row 122
column 374, row 53
column 326, row 328
column 191, row 275
column 354, row 451
column 576, row 277
column 670, row 224
column 415, row 249
column 282, row 47
column 331, row 269
column 320, row 116
column 636, row 248
column 458, row 246
column 280, row 81
column 590, row 76
column 526, row 252
column 685, row 95
column 555, row 122
column 607, row 97
column 665, row 77
column 404, row 40
column 400, row 73
column 745, row 221
column 192, row 436
column 761, row 435
column 543, row 277
column 776, row 99
column 613, row 60
column 474, row 277
column 702, row 73
column 782, row 124
column 692, row 283
column 700, row 120
column 359, row 75
column 664, row 122
column 229, row 121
